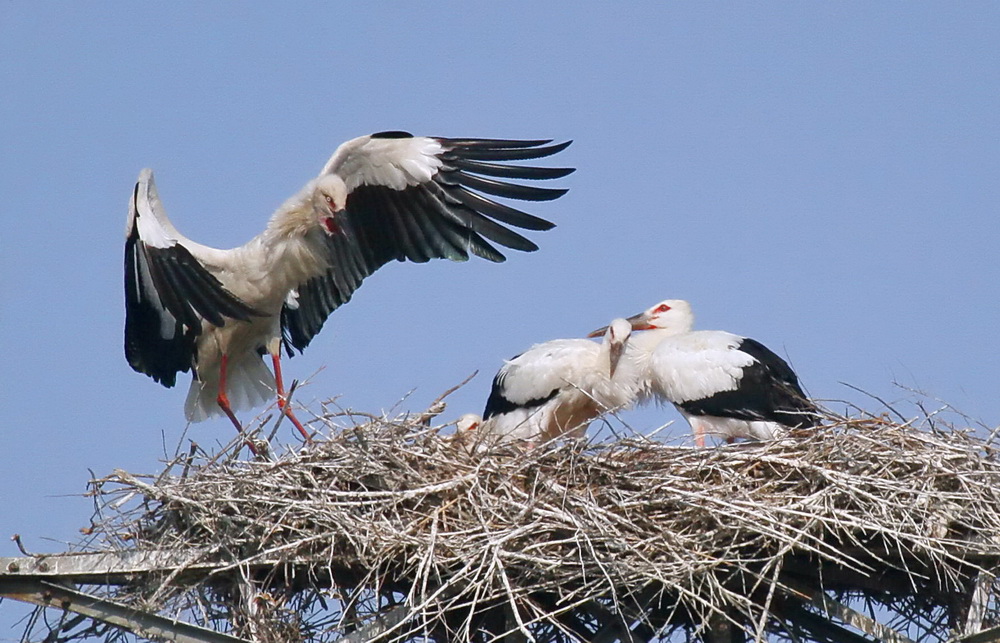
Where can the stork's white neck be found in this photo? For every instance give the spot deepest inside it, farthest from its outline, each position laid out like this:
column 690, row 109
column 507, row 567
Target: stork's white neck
column 286, row 254
column 617, row 338
column 638, row 355
column 296, row 216
column 645, row 341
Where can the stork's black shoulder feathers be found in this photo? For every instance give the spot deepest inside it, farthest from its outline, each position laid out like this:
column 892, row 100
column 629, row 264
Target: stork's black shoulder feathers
column 768, row 390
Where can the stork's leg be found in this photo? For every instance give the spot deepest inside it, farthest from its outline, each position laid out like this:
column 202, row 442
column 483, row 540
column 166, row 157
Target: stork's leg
column 223, row 401
column 699, row 433
column 283, row 404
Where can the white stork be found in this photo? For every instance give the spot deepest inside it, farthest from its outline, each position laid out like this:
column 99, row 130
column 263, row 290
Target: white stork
column 556, row 388
column 381, row 197
column 723, row 384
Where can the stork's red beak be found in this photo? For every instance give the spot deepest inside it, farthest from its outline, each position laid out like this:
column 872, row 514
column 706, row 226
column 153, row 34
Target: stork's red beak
column 640, row 322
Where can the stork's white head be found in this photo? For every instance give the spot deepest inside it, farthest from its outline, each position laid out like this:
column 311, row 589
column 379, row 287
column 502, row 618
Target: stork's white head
column 316, row 204
column 616, row 337
column 672, row 315
column 329, row 197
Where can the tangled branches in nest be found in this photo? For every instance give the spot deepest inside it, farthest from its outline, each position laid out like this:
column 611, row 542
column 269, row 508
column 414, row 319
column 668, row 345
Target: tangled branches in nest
column 410, row 533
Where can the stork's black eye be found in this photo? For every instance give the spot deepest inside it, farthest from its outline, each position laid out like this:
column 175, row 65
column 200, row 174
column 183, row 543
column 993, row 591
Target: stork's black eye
column 662, row 308
column 329, row 201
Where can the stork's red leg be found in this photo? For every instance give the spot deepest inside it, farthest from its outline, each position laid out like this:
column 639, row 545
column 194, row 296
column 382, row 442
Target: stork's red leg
column 283, row 405
column 699, row 433
column 223, row 401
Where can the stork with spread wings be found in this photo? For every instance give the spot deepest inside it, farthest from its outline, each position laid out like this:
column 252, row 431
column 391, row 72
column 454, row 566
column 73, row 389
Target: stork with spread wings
column 381, row 197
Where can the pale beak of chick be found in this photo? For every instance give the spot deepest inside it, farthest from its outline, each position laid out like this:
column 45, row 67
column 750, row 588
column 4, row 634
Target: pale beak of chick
column 615, row 351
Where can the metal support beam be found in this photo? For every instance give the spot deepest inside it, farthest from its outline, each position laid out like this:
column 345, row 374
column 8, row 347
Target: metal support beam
column 145, row 624
column 991, row 635
column 104, row 568
column 835, row 609
column 382, row 623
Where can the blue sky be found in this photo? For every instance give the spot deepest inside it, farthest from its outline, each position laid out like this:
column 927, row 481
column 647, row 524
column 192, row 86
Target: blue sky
column 822, row 177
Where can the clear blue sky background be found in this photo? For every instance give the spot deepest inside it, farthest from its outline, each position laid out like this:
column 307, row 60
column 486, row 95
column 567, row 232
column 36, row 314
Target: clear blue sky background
column 822, row 177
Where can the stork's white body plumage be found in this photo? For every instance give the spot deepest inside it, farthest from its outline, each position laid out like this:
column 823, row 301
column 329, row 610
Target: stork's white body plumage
column 558, row 387
column 725, row 385
column 388, row 196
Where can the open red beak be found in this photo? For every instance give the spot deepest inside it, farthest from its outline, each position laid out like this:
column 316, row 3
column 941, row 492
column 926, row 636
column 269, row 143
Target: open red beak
column 640, row 322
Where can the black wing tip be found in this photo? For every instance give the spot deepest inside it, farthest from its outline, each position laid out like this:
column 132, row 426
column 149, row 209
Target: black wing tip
column 505, row 143
column 148, row 353
column 392, row 134
column 504, row 189
column 549, row 194
column 559, row 172
column 493, row 143
column 545, row 225
column 501, row 149
column 484, row 250
column 559, row 147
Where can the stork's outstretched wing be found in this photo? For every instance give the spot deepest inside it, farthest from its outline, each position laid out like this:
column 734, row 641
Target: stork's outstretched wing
column 168, row 291
column 415, row 199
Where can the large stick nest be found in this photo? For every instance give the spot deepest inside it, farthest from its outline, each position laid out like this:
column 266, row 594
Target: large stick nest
column 569, row 541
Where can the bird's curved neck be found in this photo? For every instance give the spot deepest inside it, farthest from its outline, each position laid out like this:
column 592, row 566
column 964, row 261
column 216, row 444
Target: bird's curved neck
column 604, row 356
column 643, row 343
column 287, row 252
column 293, row 219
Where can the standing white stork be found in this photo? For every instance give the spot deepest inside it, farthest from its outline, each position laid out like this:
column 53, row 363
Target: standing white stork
column 723, row 384
column 381, row 197
column 556, row 388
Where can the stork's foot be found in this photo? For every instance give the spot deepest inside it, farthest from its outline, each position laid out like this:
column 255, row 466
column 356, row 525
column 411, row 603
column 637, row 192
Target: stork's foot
column 259, row 447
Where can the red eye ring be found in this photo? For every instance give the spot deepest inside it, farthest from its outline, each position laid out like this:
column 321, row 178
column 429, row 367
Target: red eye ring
column 662, row 308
